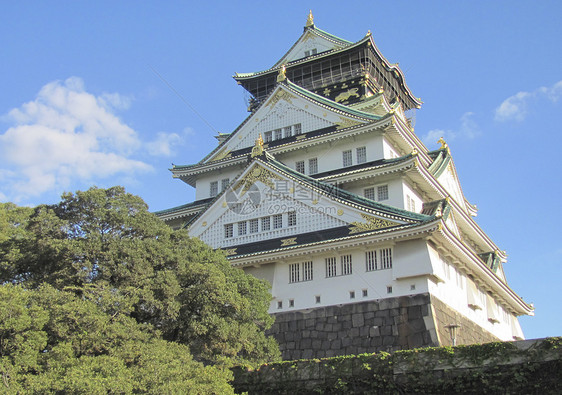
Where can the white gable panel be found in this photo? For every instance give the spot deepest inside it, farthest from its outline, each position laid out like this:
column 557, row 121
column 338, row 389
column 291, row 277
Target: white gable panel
column 308, row 42
column 451, row 184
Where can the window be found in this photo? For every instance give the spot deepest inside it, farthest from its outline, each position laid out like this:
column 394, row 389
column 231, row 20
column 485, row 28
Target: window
column 369, row 193
column 279, row 304
column 294, row 273
column 306, row 53
column 386, row 258
column 228, row 231
column 365, row 293
column 242, row 228
column 297, row 128
column 278, row 134
column 389, row 289
column 292, row 218
column 410, row 203
column 313, row 51
column 291, row 302
column 382, row 192
column 313, row 166
column 331, row 267
column 307, row 271
column 287, row 131
column 371, row 261
column 265, row 223
column 268, row 136
column 413, row 287
column 224, row 183
column 346, row 265
column 361, row 154
column 347, row 158
column 254, row 226
column 351, row 294
column 317, row 299
column 214, row 188
column 277, row 221
column 299, row 166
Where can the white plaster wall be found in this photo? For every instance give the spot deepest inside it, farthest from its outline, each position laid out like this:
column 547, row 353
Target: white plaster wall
column 203, row 184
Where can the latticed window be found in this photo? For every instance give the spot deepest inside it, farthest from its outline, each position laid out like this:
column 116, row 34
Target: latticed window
column 265, row 223
column 347, row 158
column 228, row 230
column 297, row 129
column 382, row 192
column 346, row 265
column 369, row 193
column 313, row 166
column 268, row 136
column 294, row 273
column 386, row 258
column 287, row 131
column 214, row 188
column 371, row 260
column 278, row 134
column 254, row 226
column 307, row 271
column 242, row 228
column 299, row 166
column 224, row 183
column 277, row 221
column 361, row 154
column 331, row 267
column 292, row 218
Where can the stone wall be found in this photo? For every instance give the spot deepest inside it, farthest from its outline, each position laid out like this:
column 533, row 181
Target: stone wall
column 391, row 324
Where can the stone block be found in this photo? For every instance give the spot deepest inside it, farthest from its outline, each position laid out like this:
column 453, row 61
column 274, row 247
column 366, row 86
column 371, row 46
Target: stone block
column 378, row 321
column 291, row 345
column 394, row 312
column 374, row 331
column 388, row 340
column 310, row 322
column 345, row 341
column 414, row 312
column 382, row 313
column 332, row 335
column 307, row 353
column 316, row 344
column 369, row 315
column 305, row 344
column 417, row 325
column 386, row 330
column 336, row 344
column 357, row 320
column 354, row 332
column 330, row 353
column 325, row 345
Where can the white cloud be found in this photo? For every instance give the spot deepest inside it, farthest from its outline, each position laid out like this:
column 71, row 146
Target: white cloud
column 163, row 144
column 65, row 136
column 468, row 129
column 516, row 107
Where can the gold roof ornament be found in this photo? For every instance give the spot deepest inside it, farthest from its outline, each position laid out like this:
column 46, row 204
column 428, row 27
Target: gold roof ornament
column 310, row 19
column 282, row 76
column 258, row 148
column 443, row 143
column 368, row 33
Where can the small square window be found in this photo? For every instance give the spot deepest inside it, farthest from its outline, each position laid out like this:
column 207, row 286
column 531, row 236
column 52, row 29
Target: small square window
column 214, row 188
column 254, row 226
column 347, row 158
column 412, row 287
column 277, row 221
column 382, row 192
column 369, row 193
column 299, row 166
column 278, row 134
column 228, row 230
column 268, row 136
column 265, row 223
column 365, row 293
column 292, row 218
column 279, row 304
column 287, row 132
column 224, row 183
column 313, row 166
column 297, row 128
column 317, row 298
column 291, row 302
column 389, row 289
column 351, row 294
column 242, row 228
column 361, row 154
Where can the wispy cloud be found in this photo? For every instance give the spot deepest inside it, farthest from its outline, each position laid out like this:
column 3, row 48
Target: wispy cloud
column 65, row 135
column 467, row 129
column 516, row 107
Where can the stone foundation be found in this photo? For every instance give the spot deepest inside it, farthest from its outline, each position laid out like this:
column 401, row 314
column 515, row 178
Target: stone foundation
column 391, row 324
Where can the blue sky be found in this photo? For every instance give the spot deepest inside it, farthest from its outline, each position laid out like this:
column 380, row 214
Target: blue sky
column 101, row 93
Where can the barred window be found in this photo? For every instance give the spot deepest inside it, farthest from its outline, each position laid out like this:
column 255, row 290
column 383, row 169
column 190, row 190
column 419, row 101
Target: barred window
column 228, row 231
column 265, row 223
column 292, row 218
column 224, row 183
column 268, row 136
column 299, row 272
column 307, row 271
column 369, row 193
column 297, row 128
column 278, row 134
column 214, row 188
column 299, row 166
column 294, row 273
column 346, row 265
column 313, row 166
column 254, row 226
column 382, row 192
column 361, row 154
column 277, row 221
column 347, row 158
column 371, row 260
column 386, row 258
column 242, row 228
column 331, row 267
column 287, row 131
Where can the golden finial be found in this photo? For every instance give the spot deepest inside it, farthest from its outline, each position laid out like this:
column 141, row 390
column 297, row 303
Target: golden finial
column 310, row 19
column 258, row 148
column 281, row 76
column 414, row 152
column 443, row 143
column 368, row 33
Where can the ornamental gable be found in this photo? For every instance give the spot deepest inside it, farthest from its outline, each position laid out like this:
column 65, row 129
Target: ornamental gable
column 283, row 114
column 265, row 203
column 449, row 180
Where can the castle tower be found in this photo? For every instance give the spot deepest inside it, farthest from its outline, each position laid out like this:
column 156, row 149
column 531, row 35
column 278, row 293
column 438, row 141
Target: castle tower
column 363, row 233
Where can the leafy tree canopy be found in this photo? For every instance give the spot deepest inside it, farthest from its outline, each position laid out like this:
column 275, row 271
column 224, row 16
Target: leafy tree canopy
column 105, row 248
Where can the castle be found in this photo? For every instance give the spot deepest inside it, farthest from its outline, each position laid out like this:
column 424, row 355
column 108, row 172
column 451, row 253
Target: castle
column 326, row 192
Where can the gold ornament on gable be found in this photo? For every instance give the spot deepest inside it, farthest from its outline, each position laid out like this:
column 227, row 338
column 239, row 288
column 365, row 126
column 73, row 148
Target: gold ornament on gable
column 372, row 223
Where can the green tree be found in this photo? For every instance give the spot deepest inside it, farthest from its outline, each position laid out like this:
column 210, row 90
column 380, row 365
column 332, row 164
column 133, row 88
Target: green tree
column 105, row 246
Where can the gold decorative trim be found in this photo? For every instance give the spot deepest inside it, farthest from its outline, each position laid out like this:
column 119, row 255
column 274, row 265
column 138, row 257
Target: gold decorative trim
column 258, row 148
column 346, row 123
column 347, row 94
column 281, row 76
column 204, row 223
column 309, row 19
column 340, row 212
column 224, row 204
column 222, row 154
column 288, row 242
column 280, row 95
column 373, row 223
column 258, row 173
column 315, row 202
